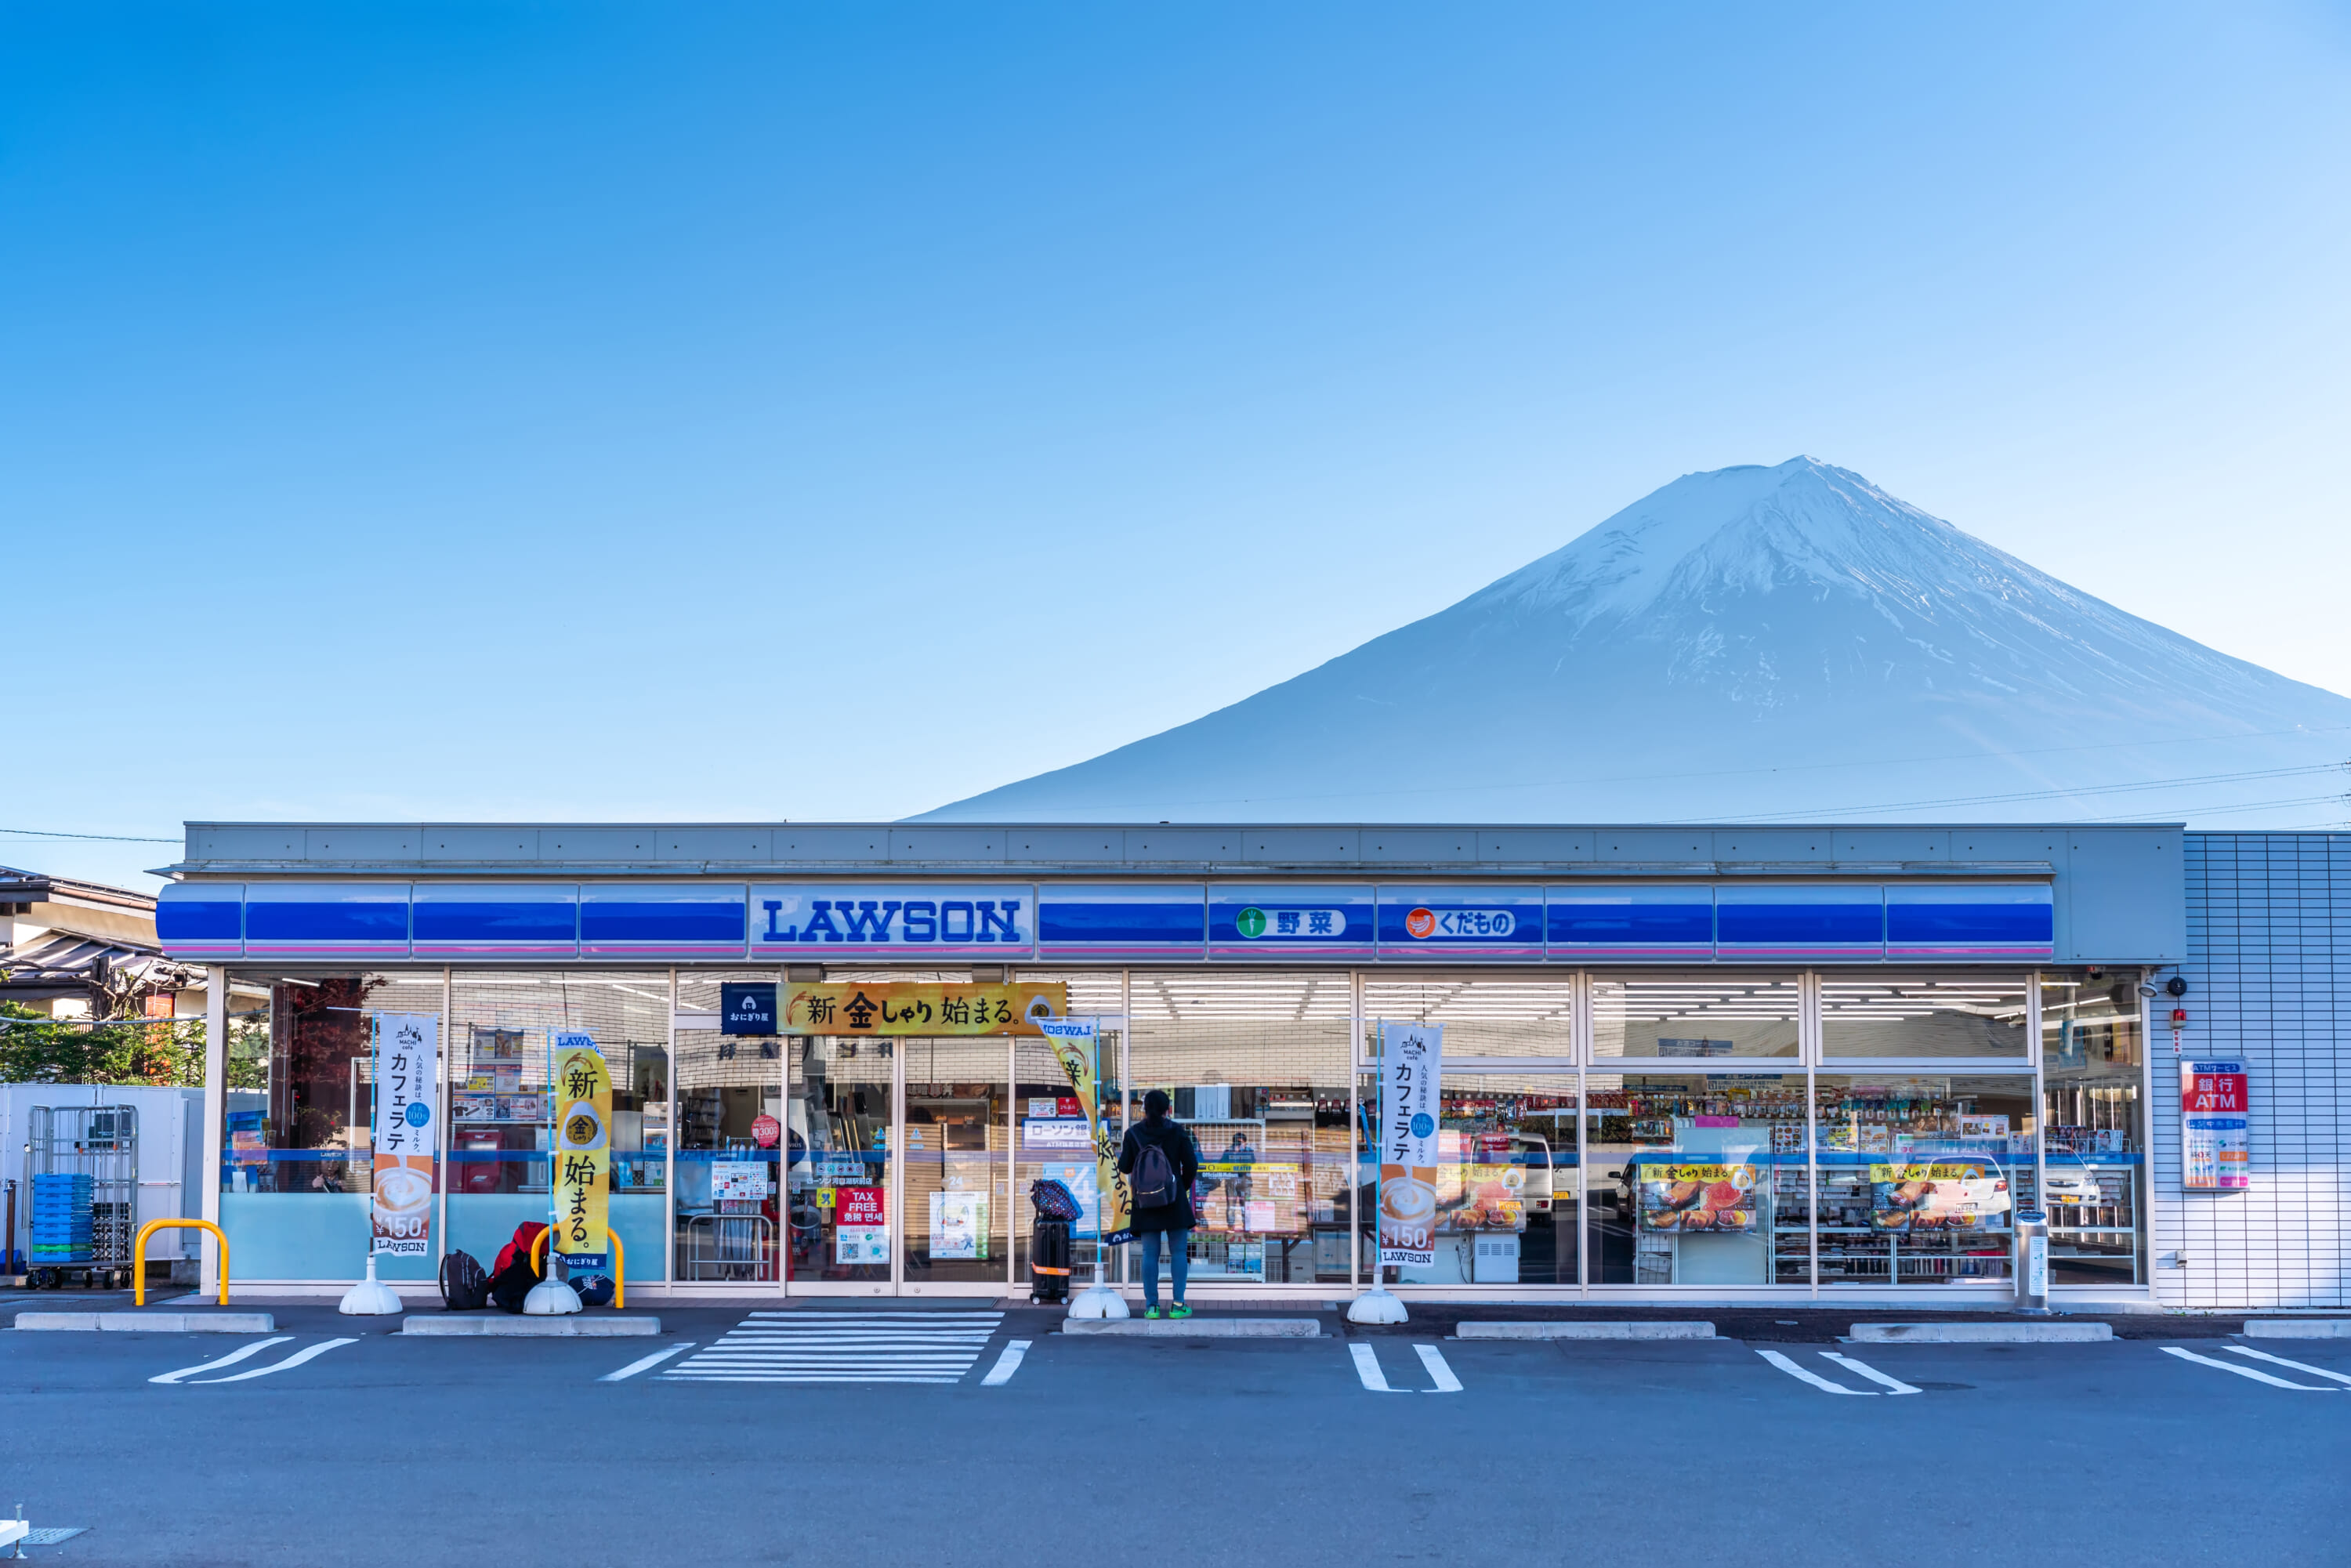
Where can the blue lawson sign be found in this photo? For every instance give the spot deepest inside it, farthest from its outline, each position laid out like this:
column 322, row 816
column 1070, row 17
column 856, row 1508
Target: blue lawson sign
column 905, row 920
column 746, row 1007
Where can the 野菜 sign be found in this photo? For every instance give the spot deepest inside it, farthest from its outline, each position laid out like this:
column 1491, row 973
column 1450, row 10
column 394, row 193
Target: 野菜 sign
column 2216, row 1125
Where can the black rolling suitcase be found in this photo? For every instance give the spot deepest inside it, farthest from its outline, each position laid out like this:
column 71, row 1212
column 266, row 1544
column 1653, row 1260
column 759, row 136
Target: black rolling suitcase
column 1048, row 1241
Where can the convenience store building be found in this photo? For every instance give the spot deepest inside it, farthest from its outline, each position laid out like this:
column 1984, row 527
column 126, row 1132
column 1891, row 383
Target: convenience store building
column 1702, row 1063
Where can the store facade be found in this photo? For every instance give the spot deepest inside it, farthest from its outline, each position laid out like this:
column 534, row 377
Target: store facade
column 1772, row 1063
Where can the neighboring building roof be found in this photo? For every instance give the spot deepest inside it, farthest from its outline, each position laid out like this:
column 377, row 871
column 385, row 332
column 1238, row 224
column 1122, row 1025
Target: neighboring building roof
column 19, row 887
column 86, row 939
column 60, row 964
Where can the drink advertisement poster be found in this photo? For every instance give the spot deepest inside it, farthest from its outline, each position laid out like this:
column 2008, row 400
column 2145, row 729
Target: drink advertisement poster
column 584, row 1151
column 1077, row 1045
column 1411, row 1065
column 407, row 1069
column 2215, row 1126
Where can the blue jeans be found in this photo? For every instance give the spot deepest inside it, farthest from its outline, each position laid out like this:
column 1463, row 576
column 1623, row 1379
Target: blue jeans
column 1179, row 1262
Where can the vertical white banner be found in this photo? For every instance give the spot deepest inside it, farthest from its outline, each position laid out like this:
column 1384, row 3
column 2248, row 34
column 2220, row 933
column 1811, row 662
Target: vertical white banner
column 1411, row 1065
column 406, row 1056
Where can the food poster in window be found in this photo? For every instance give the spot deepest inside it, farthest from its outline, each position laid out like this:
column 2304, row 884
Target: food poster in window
column 1676, row 1196
column 1077, row 1046
column 582, row 1095
column 406, row 1053
column 1412, row 1066
column 1917, row 1197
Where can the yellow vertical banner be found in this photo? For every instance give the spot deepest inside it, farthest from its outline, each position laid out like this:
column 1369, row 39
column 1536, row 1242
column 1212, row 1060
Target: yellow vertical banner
column 582, row 1097
column 1077, row 1045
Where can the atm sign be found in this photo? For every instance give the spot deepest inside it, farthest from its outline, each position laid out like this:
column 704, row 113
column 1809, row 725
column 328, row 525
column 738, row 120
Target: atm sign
column 2213, row 1087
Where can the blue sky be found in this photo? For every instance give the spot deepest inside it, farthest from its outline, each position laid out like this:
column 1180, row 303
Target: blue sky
column 576, row 411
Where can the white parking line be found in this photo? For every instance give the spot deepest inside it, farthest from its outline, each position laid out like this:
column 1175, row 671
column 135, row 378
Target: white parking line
column 2281, row 1360
column 1367, row 1367
column 1815, row 1378
column 291, row 1361
column 1433, row 1359
column 231, row 1359
column 2241, row 1371
column 642, row 1363
column 1006, row 1365
column 1891, row 1385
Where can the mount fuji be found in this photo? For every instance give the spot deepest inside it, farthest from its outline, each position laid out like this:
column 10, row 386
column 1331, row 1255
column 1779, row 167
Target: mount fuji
column 1753, row 642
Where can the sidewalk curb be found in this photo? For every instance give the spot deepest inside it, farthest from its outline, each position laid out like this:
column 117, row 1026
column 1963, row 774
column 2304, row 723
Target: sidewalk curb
column 1682, row 1329
column 503, row 1326
column 1979, row 1333
column 2298, row 1328
column 1196, row 1328
column 147, row 1323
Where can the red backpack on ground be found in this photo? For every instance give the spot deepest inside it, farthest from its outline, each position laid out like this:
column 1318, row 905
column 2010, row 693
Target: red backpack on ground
column 525, row 1237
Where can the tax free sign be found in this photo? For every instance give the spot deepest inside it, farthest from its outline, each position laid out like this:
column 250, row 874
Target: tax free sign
column 893, row 920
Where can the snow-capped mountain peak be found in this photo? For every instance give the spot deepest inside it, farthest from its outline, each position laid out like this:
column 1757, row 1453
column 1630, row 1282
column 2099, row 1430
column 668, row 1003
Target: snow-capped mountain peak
column 1725, row 641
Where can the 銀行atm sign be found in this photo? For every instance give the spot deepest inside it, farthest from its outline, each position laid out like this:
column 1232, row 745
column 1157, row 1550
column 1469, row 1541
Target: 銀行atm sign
column 2212, row 1088
column 2216, row 1127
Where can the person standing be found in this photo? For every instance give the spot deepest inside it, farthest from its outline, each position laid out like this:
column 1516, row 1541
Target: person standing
column 1160, row 1164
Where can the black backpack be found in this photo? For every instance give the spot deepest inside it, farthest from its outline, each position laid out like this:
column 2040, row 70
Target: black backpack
column 1155, row 1176
column 465, row 1288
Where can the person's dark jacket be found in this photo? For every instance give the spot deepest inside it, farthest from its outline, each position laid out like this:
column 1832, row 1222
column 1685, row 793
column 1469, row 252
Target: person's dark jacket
column 1175, row 1140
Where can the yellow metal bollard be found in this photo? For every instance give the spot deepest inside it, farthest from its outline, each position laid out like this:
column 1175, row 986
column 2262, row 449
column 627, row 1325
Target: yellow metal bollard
column 619, row 1264
column 138, row 1255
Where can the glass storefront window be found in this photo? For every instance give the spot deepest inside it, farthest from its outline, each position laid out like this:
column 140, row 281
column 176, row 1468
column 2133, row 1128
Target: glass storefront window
column 838, row 1184
column 1257, row 1066
column 2093, row 1070
column 1952, row 1015
column 1700, row 1179
column 1507, row 1181
column 1697, row 1015
column 1483, row 1015
column 297, row 1155
column 958, row 1138
column 1051, row 1141
column 499, row 1054
column 1920, row 1177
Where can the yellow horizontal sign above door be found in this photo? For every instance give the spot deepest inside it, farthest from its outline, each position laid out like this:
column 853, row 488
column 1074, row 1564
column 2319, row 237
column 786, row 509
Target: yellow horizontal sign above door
column 920, row 1010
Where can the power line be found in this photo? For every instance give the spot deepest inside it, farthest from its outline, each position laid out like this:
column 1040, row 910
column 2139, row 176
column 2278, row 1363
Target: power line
column 1976, row 756
column 2232, row 805
column 108, row 837
column 2192, row 782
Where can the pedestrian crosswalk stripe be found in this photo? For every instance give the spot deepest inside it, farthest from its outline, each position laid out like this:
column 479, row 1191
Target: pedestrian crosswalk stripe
column 843, row 1347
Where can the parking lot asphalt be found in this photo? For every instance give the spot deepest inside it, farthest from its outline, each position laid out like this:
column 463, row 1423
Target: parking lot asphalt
column 970, row 1433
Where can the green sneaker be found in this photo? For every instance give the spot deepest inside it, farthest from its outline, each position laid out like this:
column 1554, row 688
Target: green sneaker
column 1179, row 1311
column 1153, row 1312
